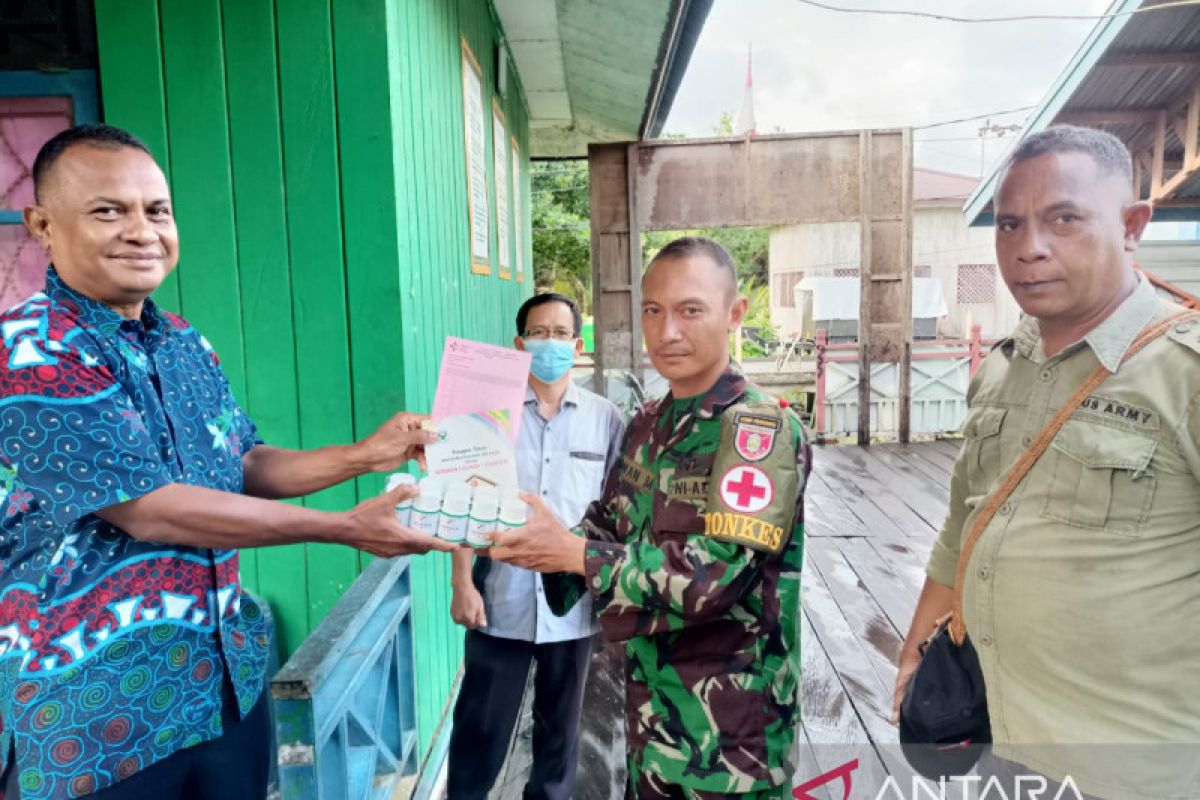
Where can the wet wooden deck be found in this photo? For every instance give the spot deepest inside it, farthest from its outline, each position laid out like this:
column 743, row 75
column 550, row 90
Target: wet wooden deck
column 872, row 515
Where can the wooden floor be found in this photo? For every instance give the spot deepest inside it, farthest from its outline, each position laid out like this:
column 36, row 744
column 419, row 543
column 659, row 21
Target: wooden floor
column 871, row 517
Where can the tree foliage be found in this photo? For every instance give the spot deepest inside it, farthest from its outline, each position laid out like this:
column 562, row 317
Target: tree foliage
column 561, row 235
column 748, row 246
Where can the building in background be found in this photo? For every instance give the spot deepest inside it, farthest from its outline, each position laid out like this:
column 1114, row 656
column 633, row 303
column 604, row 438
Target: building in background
column 1175, row 261
column 945, row 249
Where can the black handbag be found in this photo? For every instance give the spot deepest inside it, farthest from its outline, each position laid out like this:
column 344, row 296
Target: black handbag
column 944, row 722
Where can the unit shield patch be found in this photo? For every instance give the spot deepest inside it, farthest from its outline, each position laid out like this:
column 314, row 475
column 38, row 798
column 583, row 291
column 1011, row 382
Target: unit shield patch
column 754, row 435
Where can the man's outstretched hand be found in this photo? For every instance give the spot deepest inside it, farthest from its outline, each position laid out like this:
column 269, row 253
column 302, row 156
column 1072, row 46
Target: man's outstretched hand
column 396, row 442
column 373, row 527
column 544, row 544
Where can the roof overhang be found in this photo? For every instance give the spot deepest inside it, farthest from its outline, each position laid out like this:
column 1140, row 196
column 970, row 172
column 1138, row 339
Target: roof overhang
column 598, row 70
column 1138, row 77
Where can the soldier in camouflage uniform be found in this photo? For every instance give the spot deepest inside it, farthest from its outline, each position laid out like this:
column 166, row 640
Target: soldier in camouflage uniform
column 693, row 553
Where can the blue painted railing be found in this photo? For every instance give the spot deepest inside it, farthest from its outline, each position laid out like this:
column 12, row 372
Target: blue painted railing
column 345, row 716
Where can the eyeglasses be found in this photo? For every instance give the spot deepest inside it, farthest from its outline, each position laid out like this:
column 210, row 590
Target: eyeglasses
column 557, row 334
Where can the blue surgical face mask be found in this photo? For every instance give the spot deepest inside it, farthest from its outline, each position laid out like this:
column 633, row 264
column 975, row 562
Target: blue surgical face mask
column 551, row 359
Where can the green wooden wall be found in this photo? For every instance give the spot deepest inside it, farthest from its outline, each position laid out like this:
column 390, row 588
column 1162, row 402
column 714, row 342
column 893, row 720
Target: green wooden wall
column 316, row 155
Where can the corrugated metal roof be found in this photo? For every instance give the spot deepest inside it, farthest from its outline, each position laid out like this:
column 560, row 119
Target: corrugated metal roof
column 934, row 187
column 598, row 70
column 1110, row 76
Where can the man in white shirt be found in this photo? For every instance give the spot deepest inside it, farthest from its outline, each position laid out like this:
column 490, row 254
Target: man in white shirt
column 569, row 439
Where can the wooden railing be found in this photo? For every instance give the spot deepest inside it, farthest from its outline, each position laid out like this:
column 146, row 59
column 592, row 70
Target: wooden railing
column 934, row 364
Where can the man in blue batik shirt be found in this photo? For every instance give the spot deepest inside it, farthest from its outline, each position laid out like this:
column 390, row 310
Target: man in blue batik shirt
column 569, row 439
column 131, row 661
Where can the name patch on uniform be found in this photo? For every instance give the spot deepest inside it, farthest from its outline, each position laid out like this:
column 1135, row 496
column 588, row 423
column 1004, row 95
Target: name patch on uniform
column 754, row 435
column 689, row 487
column 1126, row 412
column 636, row 475
column 759, row 534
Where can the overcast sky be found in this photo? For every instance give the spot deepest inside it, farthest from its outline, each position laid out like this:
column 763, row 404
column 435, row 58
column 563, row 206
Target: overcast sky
column 820, row 70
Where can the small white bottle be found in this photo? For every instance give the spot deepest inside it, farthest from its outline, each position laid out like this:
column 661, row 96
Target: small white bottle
column 425, row 508
column 456, row 506
column 404, row 507
column 513, row 513
column 485, row 509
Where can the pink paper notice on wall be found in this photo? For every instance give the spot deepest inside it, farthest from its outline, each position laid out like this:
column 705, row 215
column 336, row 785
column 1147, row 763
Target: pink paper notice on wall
column 478, row 378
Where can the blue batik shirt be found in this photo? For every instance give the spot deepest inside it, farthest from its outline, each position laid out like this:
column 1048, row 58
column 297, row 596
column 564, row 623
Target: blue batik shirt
column 112, row 650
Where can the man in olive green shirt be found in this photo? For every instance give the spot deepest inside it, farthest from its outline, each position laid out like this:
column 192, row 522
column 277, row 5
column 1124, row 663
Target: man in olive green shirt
column 1082, row 597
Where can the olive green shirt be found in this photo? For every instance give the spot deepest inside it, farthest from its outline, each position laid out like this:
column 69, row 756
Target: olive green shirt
column 1082, row 596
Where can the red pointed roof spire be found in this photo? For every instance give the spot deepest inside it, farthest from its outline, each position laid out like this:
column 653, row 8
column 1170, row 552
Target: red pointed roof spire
column 744, row 124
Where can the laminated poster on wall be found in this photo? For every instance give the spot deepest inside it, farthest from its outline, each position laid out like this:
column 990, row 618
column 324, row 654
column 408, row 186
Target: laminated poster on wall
column 477, row 413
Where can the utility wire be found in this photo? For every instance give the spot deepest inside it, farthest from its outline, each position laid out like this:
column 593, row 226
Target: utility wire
column 1022, row 18
column 980, row 116
column 920, row 140
column 578, row 226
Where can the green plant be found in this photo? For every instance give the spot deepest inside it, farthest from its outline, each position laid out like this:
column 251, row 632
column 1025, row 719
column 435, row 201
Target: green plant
column 758, row 316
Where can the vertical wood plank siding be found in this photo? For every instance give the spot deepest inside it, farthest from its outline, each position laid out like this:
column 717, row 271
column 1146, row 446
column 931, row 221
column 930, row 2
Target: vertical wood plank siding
column 315, row 151
column 312, row 179
column 138, row 70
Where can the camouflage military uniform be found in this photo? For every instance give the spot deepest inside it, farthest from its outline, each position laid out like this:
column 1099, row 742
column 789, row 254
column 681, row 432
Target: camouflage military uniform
column 710, row 619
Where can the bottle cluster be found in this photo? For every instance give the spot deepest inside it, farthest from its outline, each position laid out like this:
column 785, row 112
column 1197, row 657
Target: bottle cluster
column 457, row 512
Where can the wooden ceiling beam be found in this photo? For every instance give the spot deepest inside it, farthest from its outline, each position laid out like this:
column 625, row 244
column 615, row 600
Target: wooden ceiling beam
column 1111, row 116
column 1188, row 132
